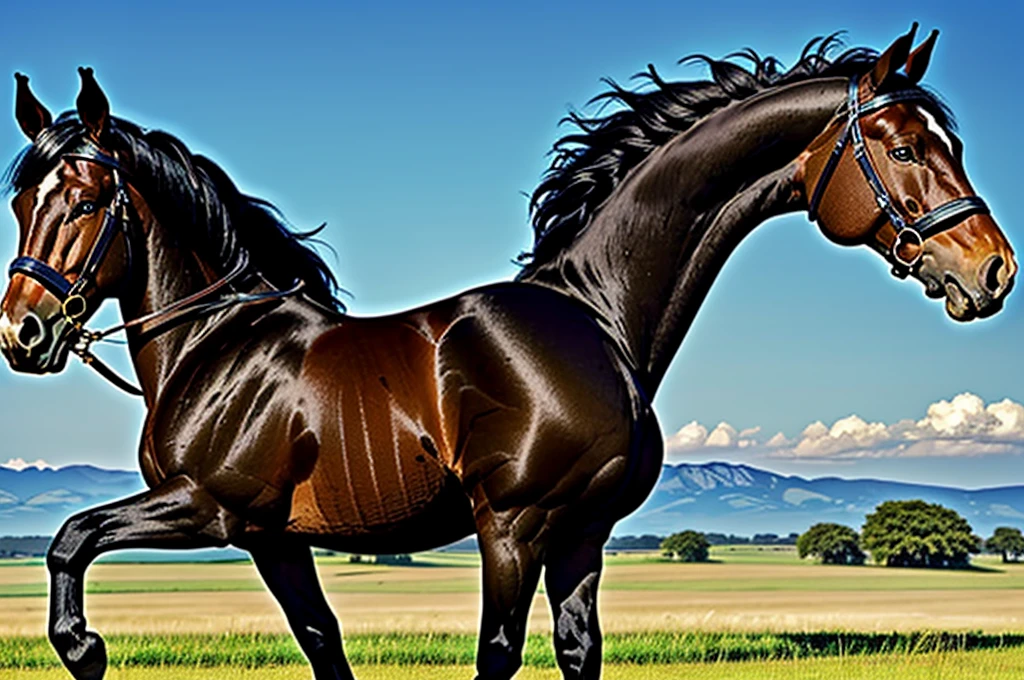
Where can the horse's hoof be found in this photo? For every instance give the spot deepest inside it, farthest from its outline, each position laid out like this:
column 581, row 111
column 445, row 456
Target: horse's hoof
column 86, row 657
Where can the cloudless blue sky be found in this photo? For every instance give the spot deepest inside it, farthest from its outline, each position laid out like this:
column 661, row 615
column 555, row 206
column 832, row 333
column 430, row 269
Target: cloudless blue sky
column 412, row 129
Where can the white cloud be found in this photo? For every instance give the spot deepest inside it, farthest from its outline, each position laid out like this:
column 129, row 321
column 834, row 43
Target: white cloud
column 19, row 464
column 695, row 437
column 690, row 436
column 846, row 434
column 723, row 436
column 963, row 426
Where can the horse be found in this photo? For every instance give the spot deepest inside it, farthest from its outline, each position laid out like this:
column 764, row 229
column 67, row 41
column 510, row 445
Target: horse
column 519, row 411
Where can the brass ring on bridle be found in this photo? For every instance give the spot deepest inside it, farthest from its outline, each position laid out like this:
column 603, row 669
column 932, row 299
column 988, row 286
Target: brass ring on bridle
column 73, row 307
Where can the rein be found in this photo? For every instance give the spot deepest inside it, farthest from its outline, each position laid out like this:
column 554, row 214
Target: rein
column 933, row 222
column 72, row 295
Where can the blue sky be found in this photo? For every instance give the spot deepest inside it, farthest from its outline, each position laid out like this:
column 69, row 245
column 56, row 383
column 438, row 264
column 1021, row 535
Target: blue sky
column 412, row 131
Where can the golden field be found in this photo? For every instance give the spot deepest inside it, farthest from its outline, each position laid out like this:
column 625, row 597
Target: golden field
column 744, row 590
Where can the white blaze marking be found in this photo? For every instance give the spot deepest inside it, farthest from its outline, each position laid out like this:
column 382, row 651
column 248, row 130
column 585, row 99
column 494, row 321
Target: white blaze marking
column 933, row 125
column 49, row 184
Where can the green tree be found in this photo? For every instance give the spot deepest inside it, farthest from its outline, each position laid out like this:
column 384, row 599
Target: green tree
column 831, row 543
column 918, row 534
column 687, row 546
column 1008, row 542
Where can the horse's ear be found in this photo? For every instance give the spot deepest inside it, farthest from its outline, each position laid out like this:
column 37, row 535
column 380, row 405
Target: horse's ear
column 893, row 58
column 32, row 116
column 93, row 107
column 917, row 62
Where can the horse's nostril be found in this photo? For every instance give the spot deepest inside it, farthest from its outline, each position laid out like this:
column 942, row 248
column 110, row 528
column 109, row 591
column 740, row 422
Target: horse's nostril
column 994, row 277
column 32, row 331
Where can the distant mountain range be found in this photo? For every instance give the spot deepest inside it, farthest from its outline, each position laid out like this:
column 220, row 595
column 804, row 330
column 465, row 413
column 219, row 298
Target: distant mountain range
column 743, row 500
column 719, row 497
column 35, row 502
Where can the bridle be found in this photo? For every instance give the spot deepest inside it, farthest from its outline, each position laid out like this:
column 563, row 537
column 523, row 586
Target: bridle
column 908, row 232
column 71, row 295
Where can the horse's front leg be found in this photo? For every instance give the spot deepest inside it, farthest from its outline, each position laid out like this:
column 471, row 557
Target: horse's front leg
column 177, row 514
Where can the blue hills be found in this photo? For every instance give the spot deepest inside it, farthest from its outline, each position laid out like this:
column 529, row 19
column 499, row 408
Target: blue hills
column 719, row 497
column 744, row 500
column 36, row 502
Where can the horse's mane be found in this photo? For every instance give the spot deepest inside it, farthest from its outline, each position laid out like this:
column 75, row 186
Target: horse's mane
column 195, row 198
column 589, row 164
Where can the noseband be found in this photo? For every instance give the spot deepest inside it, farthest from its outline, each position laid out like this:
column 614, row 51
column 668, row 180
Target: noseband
column 915, row 232
column 71, row 295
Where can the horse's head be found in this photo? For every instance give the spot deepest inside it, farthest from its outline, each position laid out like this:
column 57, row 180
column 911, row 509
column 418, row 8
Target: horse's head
column 73, row 248
column 888, row 172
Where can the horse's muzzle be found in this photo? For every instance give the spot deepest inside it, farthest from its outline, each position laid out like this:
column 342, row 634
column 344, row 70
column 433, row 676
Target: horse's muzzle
column 34, row 345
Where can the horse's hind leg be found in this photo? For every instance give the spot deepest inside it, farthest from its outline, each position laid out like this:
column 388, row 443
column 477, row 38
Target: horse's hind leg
column 572, row 570
column 290, row 574
column 511, row 570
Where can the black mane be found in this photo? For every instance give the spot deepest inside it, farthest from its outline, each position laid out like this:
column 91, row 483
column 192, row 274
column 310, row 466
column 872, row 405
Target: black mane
column 589, row 164
column 196, row 197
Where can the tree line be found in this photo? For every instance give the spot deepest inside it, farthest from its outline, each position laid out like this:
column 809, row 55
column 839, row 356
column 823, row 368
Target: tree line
column 897, row 534
column 652, row 542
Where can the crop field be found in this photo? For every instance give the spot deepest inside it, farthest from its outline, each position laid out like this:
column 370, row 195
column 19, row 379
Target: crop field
column 750, row 612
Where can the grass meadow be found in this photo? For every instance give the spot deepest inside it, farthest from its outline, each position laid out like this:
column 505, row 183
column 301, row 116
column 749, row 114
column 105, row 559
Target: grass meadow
column 752, row 612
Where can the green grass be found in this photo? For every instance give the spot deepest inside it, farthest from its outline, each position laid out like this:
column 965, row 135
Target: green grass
column 977, row 665
column 1002, row 664
column 153, row 586
column 432, row 649
column 22, row 561
column 755, row 554
column 924, row 580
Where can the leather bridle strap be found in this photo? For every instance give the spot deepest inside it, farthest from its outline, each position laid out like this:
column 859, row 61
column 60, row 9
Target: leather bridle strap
column 192, row 308
column 196, row 306
column 37, row 270
column 935, row 221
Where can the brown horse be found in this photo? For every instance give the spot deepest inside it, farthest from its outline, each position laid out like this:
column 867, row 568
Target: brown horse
column 520, row 411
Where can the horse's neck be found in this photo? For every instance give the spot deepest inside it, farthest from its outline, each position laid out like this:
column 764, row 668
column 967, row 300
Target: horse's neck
column 171, row 273
column 648, row 259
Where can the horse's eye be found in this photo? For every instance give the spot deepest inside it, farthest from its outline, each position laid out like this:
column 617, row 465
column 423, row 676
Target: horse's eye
column 83, row 208
column 902, row 154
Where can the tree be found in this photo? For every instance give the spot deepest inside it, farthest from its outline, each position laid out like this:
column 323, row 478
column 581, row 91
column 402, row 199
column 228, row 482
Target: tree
column 687, row 546
column 1007, row 541
column 918, row 534
column 832, row 543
